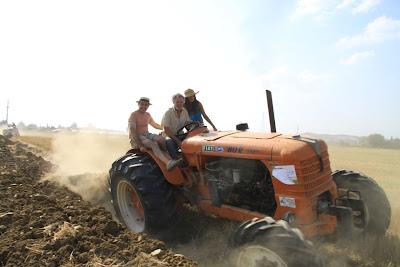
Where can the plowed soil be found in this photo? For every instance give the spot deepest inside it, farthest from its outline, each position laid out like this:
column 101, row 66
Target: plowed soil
column 43, row 224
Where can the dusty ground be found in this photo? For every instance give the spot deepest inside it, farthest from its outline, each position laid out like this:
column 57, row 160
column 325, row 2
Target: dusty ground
column 43, row 224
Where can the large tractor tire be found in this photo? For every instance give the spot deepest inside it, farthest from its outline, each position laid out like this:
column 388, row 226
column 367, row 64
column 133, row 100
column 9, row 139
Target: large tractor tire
column 266, row 242
column 143, row 200
column 377, row 206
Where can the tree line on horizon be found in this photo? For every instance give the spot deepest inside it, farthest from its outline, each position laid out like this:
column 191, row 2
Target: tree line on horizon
column 375, row 140
column 32, row 126
column 379, row 141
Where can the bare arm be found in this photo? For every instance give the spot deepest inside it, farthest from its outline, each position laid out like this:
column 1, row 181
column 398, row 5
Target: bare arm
column 206, row 117
column 154, row 124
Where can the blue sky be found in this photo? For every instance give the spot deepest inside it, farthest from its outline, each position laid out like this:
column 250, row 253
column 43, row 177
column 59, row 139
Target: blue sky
column 358, row 84
column 332, row 64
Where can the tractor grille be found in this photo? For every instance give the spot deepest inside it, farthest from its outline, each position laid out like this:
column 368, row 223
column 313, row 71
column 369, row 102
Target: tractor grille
column 312, row 178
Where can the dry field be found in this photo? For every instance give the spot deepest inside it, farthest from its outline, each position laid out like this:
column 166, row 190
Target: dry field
column 78, row 154
column 381, row 164
column 42, row 142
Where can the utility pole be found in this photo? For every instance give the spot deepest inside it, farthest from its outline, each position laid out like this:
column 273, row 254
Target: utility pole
column 8, row 106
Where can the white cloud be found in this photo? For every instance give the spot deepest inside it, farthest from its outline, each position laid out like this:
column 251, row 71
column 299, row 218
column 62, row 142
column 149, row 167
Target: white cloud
column 357, row 57
column 358, row 6
column 316, row 8
column 365, row 6
column 344, row 4
column 306, row 7
column 377, row 31
column 322, row 9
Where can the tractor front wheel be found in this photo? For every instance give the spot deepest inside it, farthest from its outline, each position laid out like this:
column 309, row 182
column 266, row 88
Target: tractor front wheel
column 378, row 211
column 266, row 242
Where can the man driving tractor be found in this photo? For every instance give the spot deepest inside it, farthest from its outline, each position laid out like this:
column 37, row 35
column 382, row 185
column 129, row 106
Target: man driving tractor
column 173, row 120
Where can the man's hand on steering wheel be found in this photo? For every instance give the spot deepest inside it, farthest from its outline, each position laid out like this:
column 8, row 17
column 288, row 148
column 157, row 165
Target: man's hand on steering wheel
column 190, row 126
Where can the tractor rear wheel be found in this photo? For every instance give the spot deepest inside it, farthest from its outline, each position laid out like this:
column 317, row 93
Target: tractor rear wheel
column 143, row 200
column 378, row 211
column 266, row 242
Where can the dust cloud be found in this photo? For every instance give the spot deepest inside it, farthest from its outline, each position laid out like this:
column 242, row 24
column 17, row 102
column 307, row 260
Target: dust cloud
column 82, row 162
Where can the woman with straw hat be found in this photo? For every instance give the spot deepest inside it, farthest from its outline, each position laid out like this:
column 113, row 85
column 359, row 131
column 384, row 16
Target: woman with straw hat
column 195, row 108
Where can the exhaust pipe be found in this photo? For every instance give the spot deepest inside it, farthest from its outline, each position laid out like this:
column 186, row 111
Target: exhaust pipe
column 271, row 111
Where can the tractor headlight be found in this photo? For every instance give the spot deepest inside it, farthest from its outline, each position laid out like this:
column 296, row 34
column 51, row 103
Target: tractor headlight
column 289, row 217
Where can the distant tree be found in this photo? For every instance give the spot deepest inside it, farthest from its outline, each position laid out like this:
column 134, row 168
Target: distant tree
column 394, row 143
column 376, row 140
column 397, row 143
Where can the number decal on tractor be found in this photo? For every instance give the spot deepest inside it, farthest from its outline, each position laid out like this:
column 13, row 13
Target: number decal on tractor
column 287, row 202
column 208, row 148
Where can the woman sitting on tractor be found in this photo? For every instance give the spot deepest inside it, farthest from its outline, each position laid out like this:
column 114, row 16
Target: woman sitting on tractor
column 195, row 108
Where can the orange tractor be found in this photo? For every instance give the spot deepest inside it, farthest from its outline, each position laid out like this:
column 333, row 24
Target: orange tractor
column 280, row 186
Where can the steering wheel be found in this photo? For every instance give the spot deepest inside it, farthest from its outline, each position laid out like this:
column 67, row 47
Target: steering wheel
column 189, row 127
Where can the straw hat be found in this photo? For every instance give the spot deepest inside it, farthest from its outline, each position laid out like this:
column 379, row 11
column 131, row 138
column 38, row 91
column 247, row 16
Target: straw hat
column 190, row 92
column 146, row 99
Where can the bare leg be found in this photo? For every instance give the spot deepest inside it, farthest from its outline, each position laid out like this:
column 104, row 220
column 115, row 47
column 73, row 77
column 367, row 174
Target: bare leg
column 161, row 142
column 165, row 158
column 156, row 149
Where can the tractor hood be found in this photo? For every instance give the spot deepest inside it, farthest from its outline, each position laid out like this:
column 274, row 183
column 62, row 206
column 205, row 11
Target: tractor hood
column 231, row 144
column 235, row 134
column 252, row 145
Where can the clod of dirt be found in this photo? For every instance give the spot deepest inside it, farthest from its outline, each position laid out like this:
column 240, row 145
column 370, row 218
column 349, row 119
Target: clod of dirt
column 40, row 197
column 111, row 228
column 3, row 228
column 65, row 231
column 6, row 218
column 156, row 252
column 146, row 260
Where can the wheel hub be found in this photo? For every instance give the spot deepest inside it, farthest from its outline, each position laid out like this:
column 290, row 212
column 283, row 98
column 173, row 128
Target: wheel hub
column 130, row 206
